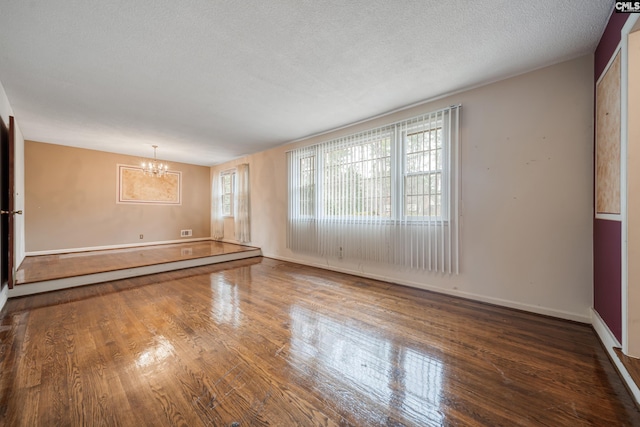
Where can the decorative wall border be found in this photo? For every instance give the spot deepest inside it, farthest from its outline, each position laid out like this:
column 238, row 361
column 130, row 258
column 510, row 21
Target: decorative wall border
column 134, row 187
column 608, row 140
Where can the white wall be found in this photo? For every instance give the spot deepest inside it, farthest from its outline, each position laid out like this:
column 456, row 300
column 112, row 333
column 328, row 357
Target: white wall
column 19, row 252
column 526, row 194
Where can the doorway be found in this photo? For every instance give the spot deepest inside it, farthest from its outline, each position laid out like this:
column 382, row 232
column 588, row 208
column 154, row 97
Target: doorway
column 6, row 202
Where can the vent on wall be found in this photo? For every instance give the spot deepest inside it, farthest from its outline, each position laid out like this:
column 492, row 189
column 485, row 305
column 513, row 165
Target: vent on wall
column 186, row 233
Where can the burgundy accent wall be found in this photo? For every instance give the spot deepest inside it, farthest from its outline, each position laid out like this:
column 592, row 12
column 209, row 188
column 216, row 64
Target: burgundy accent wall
column 608, row 42
column 607, row 237
column 607, row 290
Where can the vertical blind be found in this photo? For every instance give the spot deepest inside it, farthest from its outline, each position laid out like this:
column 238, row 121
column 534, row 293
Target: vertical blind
column 389, row 194
column 217, row 219
column 241, row 214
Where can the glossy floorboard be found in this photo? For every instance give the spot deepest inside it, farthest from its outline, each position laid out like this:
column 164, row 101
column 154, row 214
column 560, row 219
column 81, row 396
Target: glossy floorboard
column 261, row 342
column 631, row 364
column 48, row 267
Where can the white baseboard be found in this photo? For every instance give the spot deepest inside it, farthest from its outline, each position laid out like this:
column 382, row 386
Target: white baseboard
column 4, row 295
column 468, row 295
column 609, row 341
column 232, row 241
column 603, row 331
column 89, row 279
column 106, row 247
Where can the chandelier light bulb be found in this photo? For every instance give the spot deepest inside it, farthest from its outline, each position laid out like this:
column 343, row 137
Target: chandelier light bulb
column 153, row 167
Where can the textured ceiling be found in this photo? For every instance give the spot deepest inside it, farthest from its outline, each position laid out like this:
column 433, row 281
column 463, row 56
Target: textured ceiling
column 208, row 81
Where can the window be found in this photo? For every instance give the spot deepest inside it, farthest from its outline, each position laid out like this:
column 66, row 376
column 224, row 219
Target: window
column 423, row 173
column 354, row 179
column 385, row 194
column 227, row 182
column 357, row 178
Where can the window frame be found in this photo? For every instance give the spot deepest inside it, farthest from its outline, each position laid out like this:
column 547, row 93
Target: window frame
column 397, row 134
column 231, row 174
column 320, row 182
column 445, row 170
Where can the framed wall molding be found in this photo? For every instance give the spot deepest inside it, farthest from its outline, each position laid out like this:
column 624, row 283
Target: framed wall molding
column 608, row 138
column 134, row 187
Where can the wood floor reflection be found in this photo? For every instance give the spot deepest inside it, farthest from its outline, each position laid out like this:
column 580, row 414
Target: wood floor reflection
column 263, row 342
column 49, row 267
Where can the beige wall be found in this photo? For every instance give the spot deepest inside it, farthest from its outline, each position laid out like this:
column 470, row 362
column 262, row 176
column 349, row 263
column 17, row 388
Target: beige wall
column 527, row 157
column 633, row 198
column 71, row 201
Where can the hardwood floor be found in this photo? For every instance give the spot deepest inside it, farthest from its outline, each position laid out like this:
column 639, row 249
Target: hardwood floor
column 631, row 364
column 261, row 342
column 49, row 267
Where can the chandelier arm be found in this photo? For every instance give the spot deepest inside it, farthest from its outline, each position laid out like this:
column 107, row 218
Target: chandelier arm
column 153, row 167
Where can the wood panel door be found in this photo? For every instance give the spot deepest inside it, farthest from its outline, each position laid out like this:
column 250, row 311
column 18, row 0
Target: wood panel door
column 7, row 142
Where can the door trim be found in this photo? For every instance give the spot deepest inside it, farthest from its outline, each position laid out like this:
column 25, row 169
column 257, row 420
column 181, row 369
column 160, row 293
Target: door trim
column 11, row 189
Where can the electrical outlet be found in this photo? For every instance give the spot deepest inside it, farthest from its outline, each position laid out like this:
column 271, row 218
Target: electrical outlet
column 186, row 233
column 142, row 236
column 340, row 253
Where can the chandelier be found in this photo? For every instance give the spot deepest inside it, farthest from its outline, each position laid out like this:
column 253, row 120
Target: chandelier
column 153, row 167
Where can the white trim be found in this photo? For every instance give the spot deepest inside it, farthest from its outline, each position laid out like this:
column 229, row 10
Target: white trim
column 106, row 247
column 609, row 217
column 624, row 229
column 4, row 295
column 624, row 134
column 467, row 295
column 631, row 22
column 89, row 279
column 609, row 341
